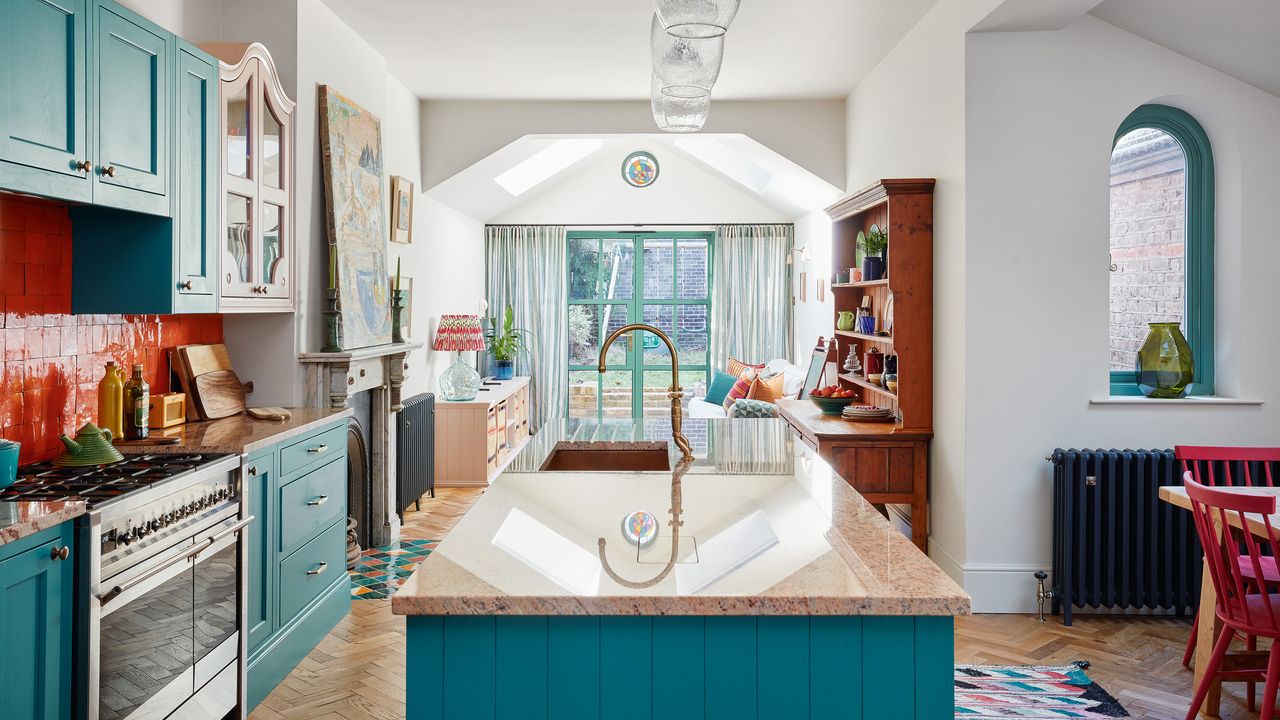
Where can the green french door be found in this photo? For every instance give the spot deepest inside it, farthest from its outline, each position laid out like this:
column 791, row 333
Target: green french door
column 658, row 278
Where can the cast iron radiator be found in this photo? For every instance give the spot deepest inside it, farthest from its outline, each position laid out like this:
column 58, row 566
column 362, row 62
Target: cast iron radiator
column 415, row 451
column 1115, row 543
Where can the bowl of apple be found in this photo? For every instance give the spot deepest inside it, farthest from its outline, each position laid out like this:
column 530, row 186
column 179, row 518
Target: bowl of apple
column 832, row 399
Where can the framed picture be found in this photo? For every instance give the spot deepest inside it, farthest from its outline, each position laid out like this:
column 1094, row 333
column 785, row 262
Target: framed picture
column 822, row 289
column 406, row 315
column 401, row 210
column 804, row 282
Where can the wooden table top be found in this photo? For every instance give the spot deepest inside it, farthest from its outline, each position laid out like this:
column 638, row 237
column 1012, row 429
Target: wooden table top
column 813, row 422
column 1177, row 495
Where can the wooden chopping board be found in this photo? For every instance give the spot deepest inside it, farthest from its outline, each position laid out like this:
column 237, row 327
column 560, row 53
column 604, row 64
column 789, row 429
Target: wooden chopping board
column 203, row 359
column 220, row 394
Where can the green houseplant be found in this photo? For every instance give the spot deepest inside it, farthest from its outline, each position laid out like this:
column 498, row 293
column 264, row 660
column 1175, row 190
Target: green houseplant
column 506, row 344
column 874, row 242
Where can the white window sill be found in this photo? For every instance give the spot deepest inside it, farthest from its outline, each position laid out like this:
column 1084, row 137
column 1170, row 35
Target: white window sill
column 1186, row 401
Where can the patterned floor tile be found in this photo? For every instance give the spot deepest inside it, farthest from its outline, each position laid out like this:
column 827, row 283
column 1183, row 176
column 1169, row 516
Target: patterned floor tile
column 381, row 570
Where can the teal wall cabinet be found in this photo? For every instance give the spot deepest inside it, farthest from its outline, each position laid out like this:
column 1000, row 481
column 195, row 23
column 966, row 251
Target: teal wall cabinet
column 44, row 131
column 298, row 583
column 36, row 604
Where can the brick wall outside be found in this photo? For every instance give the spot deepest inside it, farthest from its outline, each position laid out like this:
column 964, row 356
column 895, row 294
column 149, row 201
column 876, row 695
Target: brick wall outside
column 1148, row 240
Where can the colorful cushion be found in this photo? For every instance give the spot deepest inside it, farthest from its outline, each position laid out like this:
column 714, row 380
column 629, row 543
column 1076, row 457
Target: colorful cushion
column 720, row 386
column 737, row 366
column 747, row 408
column 769, row 390
column 740, row 388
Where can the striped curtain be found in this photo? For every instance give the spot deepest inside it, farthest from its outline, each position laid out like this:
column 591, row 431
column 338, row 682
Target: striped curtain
column 751, row 293
column 525, row 268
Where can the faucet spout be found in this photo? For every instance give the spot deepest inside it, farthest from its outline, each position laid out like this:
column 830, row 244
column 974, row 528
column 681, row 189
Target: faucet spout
column 675, row 392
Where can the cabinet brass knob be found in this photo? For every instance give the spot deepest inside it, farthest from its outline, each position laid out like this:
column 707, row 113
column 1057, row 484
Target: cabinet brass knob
column 84, row 166
column 253, row 471
column 185, row 285
column 109, row 171
column 60, row 553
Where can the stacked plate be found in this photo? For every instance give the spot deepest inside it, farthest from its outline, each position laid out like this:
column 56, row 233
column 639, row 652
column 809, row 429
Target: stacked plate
column 867, row 413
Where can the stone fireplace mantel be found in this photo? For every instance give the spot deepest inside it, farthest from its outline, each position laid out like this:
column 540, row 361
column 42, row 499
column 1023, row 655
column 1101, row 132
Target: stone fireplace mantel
column 332, row 378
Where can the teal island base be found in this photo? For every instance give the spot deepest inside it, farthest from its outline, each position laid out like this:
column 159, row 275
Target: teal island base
column 679, row 667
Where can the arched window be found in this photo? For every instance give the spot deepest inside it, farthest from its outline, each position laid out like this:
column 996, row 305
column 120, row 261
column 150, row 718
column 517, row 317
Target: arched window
column 1161, row 239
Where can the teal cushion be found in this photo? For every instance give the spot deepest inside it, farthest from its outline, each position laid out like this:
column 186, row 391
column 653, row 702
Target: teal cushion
column 745, row 408
column 720, row 386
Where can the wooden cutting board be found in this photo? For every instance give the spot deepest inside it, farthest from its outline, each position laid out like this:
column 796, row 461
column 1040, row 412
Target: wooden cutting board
column 178, row 364
column 220, row 394
column 202, row 359
column 270, row 413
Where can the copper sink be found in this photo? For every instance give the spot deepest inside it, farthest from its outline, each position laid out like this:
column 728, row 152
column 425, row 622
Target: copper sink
column 608, row 457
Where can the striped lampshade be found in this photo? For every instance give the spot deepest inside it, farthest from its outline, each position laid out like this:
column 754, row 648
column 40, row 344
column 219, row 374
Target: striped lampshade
column 459, row 332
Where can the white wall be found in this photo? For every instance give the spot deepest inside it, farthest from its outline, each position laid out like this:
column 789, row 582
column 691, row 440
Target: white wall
column 455, row 134
column 811, row 319
column 595, row 193
column 1042, row 110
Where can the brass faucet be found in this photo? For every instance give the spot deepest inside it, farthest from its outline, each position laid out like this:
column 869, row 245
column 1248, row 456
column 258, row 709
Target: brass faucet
column 677, row 509
column 675, row 392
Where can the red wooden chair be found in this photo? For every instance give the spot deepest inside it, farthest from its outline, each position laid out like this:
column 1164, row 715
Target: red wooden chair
column 1240, row 606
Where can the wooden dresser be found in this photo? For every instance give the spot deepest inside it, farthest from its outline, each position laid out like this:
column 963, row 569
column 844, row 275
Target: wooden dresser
column 884, row 462
column 477, row 439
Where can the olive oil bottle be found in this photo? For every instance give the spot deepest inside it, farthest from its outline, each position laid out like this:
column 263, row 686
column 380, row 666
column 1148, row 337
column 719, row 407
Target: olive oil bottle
column 110, row 401
column 137, row 406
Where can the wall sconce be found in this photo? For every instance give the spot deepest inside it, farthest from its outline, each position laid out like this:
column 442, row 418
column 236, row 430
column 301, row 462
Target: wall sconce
column 802, row 252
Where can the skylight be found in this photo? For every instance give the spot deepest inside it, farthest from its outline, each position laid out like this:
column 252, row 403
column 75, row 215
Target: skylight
column 732, row 163
column 546, row 162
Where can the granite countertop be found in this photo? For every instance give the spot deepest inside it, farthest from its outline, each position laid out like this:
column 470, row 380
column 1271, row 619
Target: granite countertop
column 20, row 519
column 768, row 529
column 237, row 434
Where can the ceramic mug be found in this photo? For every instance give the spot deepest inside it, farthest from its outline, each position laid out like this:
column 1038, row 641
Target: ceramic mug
column 8, row 462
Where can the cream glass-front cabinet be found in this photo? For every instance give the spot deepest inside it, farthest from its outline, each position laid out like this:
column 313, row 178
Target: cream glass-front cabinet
column 257, row 251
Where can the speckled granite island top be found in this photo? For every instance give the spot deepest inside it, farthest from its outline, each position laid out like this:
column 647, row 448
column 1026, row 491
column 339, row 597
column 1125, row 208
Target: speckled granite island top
column 20, row 519
column 238, row 433
column 768, row 530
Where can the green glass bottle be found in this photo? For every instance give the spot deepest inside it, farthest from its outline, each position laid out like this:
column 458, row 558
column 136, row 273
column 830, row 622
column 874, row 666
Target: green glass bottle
column 137, row 406
column 1165, row 367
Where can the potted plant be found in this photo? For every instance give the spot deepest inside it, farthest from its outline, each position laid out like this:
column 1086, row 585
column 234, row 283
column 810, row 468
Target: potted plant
column 874, row 242
column 506, row 344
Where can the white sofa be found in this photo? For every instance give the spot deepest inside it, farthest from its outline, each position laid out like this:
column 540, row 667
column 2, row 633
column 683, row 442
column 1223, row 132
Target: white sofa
column 792, row 383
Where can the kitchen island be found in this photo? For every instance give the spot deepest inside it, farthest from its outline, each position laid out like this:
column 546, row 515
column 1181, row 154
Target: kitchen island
column 787, row 595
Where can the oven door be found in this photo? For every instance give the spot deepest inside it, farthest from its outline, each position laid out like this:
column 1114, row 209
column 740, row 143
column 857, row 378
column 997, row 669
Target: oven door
column 167, row 627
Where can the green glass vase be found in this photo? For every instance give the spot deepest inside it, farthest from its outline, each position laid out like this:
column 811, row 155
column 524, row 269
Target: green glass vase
column 1165, row 367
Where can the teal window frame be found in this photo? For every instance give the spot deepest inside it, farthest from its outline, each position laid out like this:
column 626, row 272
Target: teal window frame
column 635, row 309
column 1199, row 207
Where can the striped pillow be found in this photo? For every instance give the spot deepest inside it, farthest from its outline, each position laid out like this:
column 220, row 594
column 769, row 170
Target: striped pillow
column 740, row 388
column 737, row 366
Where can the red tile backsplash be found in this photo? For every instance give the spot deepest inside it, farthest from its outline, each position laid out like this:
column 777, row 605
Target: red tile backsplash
column 50, row 360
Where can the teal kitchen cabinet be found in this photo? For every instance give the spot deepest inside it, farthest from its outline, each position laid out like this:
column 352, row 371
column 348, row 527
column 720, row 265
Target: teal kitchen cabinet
column 44, row 116
column 36, row 602
column 298, row 583
column 132, row 110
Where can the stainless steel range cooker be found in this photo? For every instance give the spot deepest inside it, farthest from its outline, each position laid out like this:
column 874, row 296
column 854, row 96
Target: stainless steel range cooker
column 160, row 583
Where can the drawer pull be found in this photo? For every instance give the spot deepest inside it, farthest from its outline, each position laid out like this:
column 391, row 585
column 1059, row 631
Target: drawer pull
column 59, row 553
column 318, row 449
column 318, row 569
column 318, row 501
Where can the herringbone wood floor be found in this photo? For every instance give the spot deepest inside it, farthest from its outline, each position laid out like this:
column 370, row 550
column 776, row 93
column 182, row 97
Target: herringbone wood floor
column 357, row 672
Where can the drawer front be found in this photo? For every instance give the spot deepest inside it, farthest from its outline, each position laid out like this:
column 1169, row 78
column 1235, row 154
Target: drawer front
column 313, row 449
column 307, row 572
column 876, row 469
column 312, row 503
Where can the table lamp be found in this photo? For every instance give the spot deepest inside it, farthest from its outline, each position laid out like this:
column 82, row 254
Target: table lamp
column 459, row 334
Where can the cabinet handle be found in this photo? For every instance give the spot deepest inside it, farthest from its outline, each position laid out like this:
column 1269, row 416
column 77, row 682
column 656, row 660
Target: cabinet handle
column 109, row 171
column 60, row 553
column 84, row 166
column 253, row 471
column 318, row 449
column 318, row 501
column 185, row 285
column 318, row 569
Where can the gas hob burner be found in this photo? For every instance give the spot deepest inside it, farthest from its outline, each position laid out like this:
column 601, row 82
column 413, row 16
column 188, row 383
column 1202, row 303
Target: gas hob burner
column 96, row 484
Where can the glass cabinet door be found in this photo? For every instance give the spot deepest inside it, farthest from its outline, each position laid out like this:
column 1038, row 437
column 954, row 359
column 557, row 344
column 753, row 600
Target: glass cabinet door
column 239, row 181
column 273, row 190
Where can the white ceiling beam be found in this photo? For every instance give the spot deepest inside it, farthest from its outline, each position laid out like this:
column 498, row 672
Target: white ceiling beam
column 1034, row 15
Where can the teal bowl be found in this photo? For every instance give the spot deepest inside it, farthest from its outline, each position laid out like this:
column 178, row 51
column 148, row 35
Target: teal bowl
column 832, row 406
column 8, row 462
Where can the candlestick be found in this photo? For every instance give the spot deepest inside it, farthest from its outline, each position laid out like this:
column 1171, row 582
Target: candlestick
column 397, row 288
column 333, row 269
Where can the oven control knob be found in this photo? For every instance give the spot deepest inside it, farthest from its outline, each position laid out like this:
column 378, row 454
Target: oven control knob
column 193, row 507
column 166, row 520
column 126, row 537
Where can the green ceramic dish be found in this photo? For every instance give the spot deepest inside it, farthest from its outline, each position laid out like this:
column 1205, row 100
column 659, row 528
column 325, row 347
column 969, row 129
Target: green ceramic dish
column 92, row 446
column 831, row 406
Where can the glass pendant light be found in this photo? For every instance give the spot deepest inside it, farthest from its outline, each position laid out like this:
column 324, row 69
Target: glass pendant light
column 685, row 67
column 678, row 115
column 696, row 18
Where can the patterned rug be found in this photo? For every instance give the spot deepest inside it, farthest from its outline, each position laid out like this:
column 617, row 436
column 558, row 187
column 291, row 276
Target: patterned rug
column 381, row 570
column 1024, row 691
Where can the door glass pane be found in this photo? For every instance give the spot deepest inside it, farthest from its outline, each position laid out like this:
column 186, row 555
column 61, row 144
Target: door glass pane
column 584, row 401
column 584, row 334
column 271, row 151
column 147, row 645
column 271, row 217
column 655, row 351
column 239, row 235
column 692, row 335
column 614, row 317
column 584, row 268
column 659, row 269
column 1148, row 239
column 693, row 264
column 238, row 133
column 657, row 383
column 619, row 268
column 694, row 383
column 216, row 592
column 615, row 391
